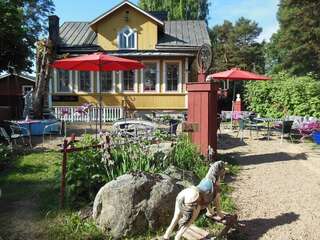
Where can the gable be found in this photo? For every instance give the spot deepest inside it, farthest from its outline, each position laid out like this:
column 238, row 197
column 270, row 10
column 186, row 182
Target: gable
column 108, row 27
column 152, row 17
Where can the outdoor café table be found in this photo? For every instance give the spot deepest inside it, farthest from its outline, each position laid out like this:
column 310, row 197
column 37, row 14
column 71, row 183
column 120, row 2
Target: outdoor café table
column 268, row 121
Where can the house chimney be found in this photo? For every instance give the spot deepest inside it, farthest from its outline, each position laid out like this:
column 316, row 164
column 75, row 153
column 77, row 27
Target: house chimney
column 54, row 29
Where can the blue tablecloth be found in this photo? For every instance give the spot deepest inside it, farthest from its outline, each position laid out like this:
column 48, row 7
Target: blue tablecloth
column 36, row 127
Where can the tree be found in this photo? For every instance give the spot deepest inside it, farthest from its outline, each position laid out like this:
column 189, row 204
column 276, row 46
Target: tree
column 179, row 9
column 296, row 45
column 22, row 22
column 235, row 45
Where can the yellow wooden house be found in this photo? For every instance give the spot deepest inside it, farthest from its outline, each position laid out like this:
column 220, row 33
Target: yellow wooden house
column 167, row 49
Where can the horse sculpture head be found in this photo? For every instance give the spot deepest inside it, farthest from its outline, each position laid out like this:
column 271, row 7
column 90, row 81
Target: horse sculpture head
column 216, row 171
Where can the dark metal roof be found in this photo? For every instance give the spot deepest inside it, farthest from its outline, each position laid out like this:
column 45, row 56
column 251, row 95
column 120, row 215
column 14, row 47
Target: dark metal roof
column 191, row 33
column 177, row 34
column 77, row 34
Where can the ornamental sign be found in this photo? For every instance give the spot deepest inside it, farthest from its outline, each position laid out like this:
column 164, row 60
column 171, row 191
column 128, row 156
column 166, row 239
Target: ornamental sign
column 204, row 58
column 190, row 127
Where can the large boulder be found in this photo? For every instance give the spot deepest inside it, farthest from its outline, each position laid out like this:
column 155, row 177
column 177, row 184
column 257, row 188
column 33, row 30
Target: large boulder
column 134, row 203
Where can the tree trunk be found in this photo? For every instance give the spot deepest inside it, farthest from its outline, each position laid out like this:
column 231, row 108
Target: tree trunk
column 43, row 72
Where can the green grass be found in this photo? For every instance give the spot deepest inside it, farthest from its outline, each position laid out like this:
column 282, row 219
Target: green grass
column 34, row 178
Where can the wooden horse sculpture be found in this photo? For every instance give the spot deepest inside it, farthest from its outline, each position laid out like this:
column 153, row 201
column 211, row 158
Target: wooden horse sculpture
column 206, row 195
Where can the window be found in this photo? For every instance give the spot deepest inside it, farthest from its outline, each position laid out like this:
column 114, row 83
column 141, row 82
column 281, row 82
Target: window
column 26, row 89
column 128, row 80
column 106, row 81
column 127, row 39
column 64, row 83
column 84, row 82
column 172, row 76
column 150, row 76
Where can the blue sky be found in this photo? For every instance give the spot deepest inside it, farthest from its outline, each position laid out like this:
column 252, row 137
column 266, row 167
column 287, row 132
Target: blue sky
column 261, row 11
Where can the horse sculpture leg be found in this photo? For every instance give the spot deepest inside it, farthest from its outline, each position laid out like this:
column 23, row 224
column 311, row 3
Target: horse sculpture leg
column 187, row 225
column 174, row 221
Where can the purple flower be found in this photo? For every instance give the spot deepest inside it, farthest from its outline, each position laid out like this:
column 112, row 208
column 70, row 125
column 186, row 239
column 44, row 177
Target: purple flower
column 64, row 111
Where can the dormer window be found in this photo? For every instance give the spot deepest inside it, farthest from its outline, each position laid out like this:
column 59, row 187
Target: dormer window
column 127, row 38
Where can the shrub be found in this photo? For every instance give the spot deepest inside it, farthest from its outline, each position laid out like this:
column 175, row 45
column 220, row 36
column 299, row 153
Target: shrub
column 284, row 95
column 90, row 169
column 185, row 155
column 5, row 155
column 86, row 171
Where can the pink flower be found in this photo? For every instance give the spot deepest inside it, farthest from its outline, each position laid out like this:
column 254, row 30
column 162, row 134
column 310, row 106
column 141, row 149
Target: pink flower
column 64, row 111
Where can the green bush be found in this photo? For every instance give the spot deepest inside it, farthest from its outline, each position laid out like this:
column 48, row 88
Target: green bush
column 284, row 95
column 90, row 169
column 185, row 155
column 86, row 172
column 5, row 155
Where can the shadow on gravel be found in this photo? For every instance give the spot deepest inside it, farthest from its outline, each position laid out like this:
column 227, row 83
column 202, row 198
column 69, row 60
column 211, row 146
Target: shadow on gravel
column 255, row 228
column 226, row 141
column 243, row 159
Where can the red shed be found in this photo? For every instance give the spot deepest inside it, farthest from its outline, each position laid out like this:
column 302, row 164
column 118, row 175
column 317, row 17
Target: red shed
column 12, row 89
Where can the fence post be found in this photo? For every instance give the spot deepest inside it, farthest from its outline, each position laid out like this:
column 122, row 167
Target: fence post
column 63, row 172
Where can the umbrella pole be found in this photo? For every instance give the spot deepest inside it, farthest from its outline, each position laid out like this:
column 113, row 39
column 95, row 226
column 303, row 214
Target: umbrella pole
column 100, row 103
column 233, row 102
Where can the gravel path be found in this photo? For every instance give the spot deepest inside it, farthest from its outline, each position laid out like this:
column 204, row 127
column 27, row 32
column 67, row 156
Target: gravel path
column 278, row 189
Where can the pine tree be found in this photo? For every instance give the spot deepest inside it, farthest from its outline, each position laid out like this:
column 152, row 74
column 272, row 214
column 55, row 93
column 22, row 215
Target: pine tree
column 296, row 45
column 235, row 45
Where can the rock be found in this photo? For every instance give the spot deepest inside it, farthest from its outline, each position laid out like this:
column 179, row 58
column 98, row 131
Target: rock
column 135, row 203
column 184, row 177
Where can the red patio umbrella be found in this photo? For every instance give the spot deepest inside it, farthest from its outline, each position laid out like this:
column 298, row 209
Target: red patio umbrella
column 238, row 74
column 235, row 74
column 97, row 62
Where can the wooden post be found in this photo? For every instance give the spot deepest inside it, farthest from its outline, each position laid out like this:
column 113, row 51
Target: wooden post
column 202, row 112
column 63, row 172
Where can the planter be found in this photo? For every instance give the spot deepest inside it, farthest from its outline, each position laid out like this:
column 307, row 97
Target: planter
column 316, row 137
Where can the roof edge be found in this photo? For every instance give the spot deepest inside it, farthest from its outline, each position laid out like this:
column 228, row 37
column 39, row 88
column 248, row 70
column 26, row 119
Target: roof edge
column 99, row 18
column 29, row 78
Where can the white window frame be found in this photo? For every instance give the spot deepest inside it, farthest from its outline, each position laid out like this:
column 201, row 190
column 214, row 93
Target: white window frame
column 134, row 31
column 23, row 87
column 113, row 83
column 135, row 84
column 164, row 76
column 56, row 82
column 158, row 77
column 77, row 79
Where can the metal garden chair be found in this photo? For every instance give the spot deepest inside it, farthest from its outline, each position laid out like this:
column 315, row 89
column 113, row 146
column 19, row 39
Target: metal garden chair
column 10, row 132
